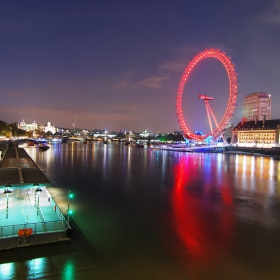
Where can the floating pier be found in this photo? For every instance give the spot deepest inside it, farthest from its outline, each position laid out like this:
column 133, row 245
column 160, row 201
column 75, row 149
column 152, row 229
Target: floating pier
column 28, row 213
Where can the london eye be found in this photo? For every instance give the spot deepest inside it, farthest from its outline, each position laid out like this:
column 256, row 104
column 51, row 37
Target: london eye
column 206, row 95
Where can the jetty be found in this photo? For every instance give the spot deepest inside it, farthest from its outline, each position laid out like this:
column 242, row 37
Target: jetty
column 28, row 213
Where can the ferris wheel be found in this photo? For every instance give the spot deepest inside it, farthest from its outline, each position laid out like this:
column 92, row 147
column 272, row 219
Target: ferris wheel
column 215, row 125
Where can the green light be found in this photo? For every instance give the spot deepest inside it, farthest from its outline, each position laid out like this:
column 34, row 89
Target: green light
column 71, row 195
column 70, row 212
column 68, row 271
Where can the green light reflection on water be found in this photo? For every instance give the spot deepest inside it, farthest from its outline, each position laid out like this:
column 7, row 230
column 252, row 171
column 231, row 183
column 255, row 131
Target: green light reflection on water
column 68, row 271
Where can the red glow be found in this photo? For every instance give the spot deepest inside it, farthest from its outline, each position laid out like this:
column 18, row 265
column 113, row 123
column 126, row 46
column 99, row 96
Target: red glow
column 203, row 231
column 225, row 60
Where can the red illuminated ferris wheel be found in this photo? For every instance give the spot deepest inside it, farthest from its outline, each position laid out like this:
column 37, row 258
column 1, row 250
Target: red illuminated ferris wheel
column 215, row 128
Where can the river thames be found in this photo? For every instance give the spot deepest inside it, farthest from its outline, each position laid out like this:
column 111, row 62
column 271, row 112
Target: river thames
column 141, row 213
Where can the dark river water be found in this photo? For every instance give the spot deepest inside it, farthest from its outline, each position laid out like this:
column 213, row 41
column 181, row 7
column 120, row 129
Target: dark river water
column 149, row 214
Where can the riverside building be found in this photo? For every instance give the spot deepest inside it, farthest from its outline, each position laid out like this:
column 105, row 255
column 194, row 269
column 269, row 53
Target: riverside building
column 257, row 106
column 262, row 134
column 27, row 126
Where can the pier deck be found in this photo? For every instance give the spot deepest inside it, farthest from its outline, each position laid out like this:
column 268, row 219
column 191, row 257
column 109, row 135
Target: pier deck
column 28, row 213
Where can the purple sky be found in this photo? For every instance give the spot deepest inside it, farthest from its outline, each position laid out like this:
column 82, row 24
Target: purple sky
column 117, row 64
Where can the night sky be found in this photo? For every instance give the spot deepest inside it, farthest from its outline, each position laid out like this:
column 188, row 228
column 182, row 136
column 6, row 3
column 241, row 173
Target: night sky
column 117, row 64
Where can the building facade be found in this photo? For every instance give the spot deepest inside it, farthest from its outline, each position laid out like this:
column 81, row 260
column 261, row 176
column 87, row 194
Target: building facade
column 257, row 106
column 265, row 133
column 27, row 126
column 48, row 127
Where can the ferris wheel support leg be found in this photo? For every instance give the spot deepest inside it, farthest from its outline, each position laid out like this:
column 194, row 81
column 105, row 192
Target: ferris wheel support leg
column 224, row 140
column 213, row 116
column 208, row 115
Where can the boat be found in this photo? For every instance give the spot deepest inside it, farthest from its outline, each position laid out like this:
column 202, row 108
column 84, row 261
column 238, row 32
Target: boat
column 30, row 143
column 55, row 140
column 43, row 147
column 23, row 144
column 140, row 144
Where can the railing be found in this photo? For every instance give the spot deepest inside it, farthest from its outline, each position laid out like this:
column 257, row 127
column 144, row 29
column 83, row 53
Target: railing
column 55, row 207
column 37, row 228
column 42, row 218
column 59, row 225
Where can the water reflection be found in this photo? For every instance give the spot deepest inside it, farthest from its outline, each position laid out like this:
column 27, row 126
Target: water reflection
column 211, row 208
column 68, row 271
column 31, row 269
column 202, row 211
column 258, row 174
column 7, row 270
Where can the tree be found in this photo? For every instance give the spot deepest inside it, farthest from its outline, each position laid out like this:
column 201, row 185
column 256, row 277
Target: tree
column 178, row 137
column 4, row 129
column 16, row 131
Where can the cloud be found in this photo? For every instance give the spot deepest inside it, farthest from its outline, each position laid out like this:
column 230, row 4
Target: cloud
column 59, row 117
column 157, row 80
column 10, row 94
column 271, row 16
column 132, row 109
column 153, row 82
column 172, row 66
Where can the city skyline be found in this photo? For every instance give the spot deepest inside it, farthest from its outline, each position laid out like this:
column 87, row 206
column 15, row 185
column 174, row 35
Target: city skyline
column 117, row 65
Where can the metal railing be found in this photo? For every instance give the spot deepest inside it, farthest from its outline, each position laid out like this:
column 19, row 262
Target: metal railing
column 37, row 228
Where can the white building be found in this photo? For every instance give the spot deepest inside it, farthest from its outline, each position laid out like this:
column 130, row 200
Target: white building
column 28, row 126
column 49, row 128
column 145, row 133
column 34, row 126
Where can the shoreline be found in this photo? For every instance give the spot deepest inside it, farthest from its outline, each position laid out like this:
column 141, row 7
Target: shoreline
column 263, row 152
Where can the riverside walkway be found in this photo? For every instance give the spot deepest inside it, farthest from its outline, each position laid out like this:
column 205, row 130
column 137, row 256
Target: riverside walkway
column 28, row 213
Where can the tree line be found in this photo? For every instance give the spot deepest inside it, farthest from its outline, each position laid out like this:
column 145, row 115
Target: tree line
column 8, row 129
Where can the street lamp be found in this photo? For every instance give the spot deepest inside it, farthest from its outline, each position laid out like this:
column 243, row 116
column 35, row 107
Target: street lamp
column 69, row 212
column 6, row 193
column 37, row 191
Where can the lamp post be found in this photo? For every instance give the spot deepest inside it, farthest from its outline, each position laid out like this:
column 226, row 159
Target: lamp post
column 37, row 191
column 35, row 194
column 6, row 193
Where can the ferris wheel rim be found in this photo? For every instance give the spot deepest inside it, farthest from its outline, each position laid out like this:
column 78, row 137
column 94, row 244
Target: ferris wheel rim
column 232, row 76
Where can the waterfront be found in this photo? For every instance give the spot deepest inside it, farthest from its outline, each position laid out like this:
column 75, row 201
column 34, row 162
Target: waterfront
column 152, row 214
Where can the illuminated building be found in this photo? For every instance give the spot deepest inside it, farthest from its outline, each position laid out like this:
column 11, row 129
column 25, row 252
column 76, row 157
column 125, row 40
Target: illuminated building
column 145, row 133
column 265, row 133
column 49, row 128
column 28, row 126
column 257, row 106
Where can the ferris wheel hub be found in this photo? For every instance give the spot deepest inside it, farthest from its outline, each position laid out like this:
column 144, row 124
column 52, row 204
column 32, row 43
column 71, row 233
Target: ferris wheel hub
column 204, row 97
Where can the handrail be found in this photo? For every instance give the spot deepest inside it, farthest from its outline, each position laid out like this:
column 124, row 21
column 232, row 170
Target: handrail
column 38, row 228
column 41, row 214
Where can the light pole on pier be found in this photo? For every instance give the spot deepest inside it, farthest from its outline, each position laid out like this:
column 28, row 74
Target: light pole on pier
column 35, row 194
column 37, row 191
column 6, row 193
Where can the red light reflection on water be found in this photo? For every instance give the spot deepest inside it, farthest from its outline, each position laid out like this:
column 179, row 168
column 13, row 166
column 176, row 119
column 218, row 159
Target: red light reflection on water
column 202, row 216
